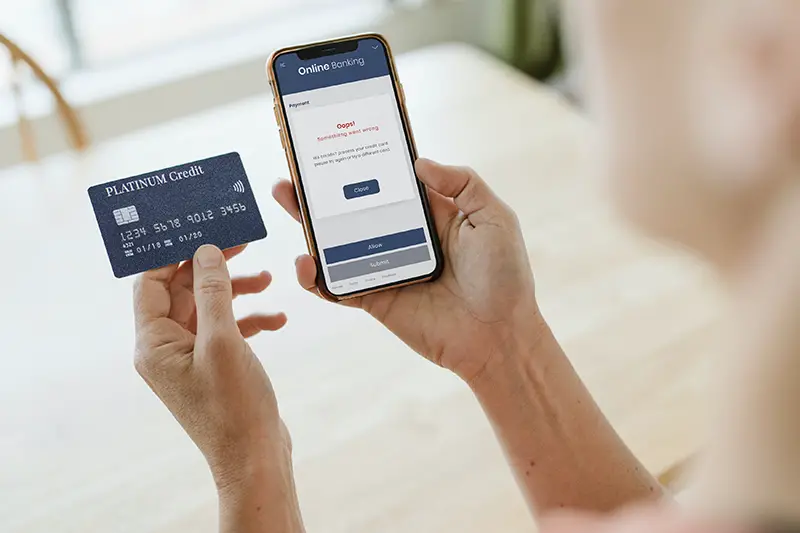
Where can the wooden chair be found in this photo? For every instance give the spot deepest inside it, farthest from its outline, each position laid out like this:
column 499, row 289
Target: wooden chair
column 76, row 132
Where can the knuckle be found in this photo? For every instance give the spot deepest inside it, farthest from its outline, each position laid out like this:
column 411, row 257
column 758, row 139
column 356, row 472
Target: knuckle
column 469, row 171
column 155, row 349
column 470, row 193
column 215, row 308
column 212, row 285
column 512, row 215
column 474, row 180
column 470, row 174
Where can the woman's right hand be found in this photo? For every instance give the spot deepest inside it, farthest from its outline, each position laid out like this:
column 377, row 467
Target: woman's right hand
column 191, row 350
column 484, row 300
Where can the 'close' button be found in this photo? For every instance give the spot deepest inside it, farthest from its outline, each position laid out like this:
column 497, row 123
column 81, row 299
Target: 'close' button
column 364, row 188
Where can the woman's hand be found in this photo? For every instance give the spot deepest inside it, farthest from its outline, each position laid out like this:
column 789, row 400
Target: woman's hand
column 485, row 296
column 192, row 352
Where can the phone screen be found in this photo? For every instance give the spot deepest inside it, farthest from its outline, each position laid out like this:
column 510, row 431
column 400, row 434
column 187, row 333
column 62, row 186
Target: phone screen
column 349, row 139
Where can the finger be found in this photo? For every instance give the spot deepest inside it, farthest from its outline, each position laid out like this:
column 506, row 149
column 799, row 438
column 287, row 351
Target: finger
column 230, row 253
column 239, row 286
column 184, row 277
column 151, row 298
column 251, row 284
column 255, row 324
column 284, row 193
column 181, row 288
column 213, row 293
column 306, row 269
column 469, row 192
column 443, row 210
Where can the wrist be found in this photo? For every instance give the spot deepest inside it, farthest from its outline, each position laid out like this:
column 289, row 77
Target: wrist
column 262, row 471
column 530, row 346
column 261, row 491
column 234, row 468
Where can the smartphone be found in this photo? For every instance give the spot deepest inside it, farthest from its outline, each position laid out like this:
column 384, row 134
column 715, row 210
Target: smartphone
column 343, row 124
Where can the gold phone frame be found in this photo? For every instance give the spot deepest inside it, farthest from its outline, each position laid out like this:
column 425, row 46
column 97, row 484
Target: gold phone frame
column 289, row 151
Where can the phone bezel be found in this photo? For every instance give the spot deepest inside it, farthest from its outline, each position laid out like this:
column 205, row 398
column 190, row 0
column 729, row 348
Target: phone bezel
column 334, row 47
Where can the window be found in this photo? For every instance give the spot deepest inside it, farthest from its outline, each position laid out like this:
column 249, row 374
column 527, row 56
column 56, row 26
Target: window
column 35, row 26
column 128, row 64
column 66, row 35
column 111, row 30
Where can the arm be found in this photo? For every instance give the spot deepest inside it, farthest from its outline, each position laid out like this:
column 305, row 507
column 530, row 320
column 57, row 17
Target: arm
column 751, row 468
column 562, row 449
column 262, row 500
column 476, row 321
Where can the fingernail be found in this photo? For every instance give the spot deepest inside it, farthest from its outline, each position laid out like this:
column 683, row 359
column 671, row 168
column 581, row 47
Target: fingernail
column 297, row 259
column 208, row 256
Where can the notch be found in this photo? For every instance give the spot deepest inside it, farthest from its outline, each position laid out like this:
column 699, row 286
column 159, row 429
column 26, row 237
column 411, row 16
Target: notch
column 328, row 49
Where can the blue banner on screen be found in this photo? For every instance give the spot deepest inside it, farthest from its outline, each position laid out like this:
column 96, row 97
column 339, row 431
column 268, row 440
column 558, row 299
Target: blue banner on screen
column 367, row 61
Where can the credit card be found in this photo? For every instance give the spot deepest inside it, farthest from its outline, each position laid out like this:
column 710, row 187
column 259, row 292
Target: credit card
column 163, row 217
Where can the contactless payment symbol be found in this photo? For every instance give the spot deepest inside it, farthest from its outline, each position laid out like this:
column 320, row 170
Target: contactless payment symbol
column 126, row 215
column 239, row 187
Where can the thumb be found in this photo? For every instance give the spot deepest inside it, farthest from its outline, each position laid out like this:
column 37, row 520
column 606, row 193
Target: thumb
column 212, row 292
column 469, row 192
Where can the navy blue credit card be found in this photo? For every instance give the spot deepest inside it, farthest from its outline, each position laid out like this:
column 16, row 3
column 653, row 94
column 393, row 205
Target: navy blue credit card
column 163, row 217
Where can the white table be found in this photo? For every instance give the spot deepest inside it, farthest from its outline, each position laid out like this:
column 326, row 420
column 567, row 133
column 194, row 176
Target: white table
column 384, row 441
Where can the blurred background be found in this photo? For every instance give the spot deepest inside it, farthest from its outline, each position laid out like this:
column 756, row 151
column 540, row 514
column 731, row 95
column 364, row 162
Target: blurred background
column 126, row 65
column 95, row 90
